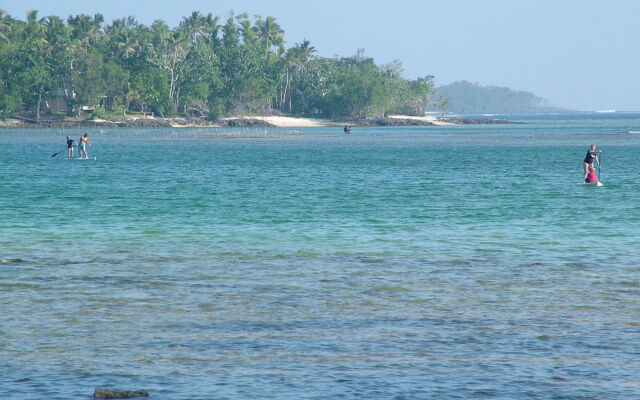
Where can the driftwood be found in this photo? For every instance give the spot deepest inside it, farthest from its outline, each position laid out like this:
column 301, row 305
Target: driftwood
column 101, row 393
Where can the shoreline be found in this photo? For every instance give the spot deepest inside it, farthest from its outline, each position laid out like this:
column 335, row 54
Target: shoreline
column 248, row 121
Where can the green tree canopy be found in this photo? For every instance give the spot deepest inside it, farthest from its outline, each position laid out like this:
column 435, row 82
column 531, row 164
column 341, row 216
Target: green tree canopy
column 201, row 68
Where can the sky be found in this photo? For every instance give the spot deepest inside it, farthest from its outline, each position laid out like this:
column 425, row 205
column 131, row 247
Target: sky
column 578, row 54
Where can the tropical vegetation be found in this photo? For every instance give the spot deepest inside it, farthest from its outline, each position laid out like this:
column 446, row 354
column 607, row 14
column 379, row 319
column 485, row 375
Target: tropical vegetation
column 205, row 67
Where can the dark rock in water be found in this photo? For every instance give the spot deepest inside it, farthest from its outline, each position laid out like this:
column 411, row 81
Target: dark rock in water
column 101, row 393
column 421, row 122
column 144, row 123
column 386, row 122
column 11, row 261
column 478, row 121
column 244, row 123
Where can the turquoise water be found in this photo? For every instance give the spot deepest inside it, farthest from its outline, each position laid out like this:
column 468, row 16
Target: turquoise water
column 393, row 263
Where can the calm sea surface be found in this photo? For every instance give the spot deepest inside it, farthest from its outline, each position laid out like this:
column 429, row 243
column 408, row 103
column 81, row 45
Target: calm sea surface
column 458, row 262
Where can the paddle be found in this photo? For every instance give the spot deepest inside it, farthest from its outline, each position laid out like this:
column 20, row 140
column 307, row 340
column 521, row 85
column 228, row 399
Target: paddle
column 599, row 164
column 55, row 154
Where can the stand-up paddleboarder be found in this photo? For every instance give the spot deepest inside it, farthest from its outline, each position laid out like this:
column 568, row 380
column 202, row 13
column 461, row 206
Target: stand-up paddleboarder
column 70, row 146
column 82, row 146
column 587, row 164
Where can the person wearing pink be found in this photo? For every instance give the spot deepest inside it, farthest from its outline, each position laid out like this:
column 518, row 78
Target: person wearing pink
column 591, row 176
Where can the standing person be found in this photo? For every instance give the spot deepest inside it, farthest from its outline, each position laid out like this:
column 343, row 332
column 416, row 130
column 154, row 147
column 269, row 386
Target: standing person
column 82, row 146
column 70, row 146
column 591, row 156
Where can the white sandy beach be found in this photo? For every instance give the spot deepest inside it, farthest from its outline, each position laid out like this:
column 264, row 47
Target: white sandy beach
column 291, row 122
column 296, row 122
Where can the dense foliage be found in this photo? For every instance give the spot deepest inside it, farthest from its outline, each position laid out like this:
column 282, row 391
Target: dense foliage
column 471, row 98
column 204, row 67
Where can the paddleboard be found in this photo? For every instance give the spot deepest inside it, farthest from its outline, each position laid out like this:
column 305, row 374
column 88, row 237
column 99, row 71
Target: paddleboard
column 83, row 159
column 592, row 183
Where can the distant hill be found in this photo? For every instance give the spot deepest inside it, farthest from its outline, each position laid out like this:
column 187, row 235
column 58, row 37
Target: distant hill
column 463, row 97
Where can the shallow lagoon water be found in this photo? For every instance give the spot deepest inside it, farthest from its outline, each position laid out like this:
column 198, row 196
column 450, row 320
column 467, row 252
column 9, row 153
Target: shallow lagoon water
column 392, row 263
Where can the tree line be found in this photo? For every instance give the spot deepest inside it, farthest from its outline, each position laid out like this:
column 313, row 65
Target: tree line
column 205, row 67
column 463, row 97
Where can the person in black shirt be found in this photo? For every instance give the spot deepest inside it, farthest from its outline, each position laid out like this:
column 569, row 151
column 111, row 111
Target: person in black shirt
column 591, row 156
column 70, row 145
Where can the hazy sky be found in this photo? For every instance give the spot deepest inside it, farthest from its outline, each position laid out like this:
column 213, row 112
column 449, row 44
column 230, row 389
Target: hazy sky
column 580, row 54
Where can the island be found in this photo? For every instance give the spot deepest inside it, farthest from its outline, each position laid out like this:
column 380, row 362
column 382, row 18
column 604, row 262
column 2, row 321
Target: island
column 83, row 72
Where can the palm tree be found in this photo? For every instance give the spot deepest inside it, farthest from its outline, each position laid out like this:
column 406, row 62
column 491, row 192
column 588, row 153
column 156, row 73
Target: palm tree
column 301, row 54
column 54, row 27
column 124, row 38
column 249, row 35
column 211, row 26
column 192, row 25
column 270, row 34
column 198, row 26
column 33, row 31
column 84, row 29
column 7, row 24
column 33, row 39
column 297, row 59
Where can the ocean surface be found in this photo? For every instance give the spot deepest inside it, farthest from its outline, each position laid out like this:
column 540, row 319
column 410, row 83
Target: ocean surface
column 456, row 262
